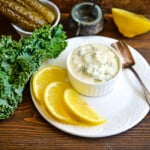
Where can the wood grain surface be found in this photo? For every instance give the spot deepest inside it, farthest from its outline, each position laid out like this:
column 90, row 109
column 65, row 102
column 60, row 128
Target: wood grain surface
column 27, row 130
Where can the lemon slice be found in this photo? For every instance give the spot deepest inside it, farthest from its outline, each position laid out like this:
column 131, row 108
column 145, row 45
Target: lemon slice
column 45, row 76
column 79, row 109
column 53, row 98
column 130, row 24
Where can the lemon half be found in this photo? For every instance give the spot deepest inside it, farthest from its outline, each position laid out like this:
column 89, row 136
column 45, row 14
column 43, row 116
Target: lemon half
column 130, row 24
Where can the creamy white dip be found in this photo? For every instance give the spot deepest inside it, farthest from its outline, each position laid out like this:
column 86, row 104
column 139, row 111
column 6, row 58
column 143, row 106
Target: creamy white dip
column 94, row 63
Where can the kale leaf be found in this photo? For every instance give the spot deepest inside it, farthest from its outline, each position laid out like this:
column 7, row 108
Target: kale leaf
column 20, row 59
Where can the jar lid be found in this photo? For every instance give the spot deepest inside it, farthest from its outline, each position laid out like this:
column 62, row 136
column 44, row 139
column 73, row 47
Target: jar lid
column 86, row 13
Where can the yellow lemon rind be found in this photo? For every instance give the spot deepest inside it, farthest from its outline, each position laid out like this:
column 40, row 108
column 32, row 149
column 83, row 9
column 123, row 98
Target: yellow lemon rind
column 63, row 118
column 79, row 117
column 63, row 74
column 130, row 24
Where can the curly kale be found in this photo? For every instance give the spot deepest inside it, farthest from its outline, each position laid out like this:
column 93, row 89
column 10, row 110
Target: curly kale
column 20, row 59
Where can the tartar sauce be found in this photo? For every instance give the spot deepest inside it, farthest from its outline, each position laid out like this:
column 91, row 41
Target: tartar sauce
column 94, row 63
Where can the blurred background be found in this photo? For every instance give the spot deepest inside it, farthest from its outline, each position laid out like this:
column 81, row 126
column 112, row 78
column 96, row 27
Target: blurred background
column 138, row 6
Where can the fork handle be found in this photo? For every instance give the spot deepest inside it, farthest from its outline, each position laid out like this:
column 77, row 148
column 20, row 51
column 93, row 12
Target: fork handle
column 146, row 92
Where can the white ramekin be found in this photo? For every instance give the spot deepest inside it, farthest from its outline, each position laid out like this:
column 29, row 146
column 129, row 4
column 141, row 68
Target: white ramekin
column 92, row 89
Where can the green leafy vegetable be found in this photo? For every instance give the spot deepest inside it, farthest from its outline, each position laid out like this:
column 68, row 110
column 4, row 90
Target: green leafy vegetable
column 19, row 60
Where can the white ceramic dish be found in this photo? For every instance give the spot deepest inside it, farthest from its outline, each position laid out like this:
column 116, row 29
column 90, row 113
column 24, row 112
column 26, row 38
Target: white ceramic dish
column 124, row 108
column 92, row 89
column 51, row 5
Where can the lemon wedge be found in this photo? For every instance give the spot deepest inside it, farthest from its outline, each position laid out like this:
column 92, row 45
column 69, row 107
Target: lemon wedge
column 79, row 109
column 130, row 24
column 53, row 98
column 51, row 88
column 43, row 77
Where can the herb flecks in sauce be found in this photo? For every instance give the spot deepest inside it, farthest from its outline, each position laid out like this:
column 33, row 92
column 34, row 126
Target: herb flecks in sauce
column 94, row 62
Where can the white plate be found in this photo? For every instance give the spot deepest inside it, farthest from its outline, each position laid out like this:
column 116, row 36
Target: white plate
column 124, row 108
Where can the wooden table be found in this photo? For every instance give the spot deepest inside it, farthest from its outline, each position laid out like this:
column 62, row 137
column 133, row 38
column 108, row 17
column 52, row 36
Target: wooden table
column 26, row 129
